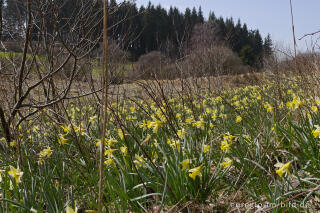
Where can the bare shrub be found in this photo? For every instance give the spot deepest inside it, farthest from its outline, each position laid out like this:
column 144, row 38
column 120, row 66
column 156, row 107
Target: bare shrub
column 150, row 66
column 118, row 61
column 212, row 61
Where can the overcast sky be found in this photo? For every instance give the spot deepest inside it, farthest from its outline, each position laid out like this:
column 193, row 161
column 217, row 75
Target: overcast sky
column 269, row 16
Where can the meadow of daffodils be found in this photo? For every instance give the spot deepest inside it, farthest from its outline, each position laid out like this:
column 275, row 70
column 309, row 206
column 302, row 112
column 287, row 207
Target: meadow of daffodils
column 191, row 152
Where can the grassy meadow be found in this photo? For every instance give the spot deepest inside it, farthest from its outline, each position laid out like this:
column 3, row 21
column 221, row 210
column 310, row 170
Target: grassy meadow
column 238, row 149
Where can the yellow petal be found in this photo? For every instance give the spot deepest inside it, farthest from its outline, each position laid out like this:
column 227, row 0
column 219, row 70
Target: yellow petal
column 69, row 210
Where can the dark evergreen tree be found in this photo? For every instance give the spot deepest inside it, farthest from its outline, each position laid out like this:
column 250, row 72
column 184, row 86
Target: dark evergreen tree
column 212, row 17
column 267, row 46
column 194, row 17
column 200, row 16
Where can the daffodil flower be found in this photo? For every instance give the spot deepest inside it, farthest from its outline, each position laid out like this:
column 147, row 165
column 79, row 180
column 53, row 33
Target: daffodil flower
column 226, row 162
column 225, row 146
column 70, row 210
column 16, row 174
column 109, row 161
column 44, row 154
column 139, row 161
column 185, row 164
column 316, row 132
column 3, row 140
column 109, row 152
column 199, row 124
column 61, row 139
column 189, row 120
column 156, row 124
column 124, row 150
column 13, row 143
column 283, row 168
column 193, row 173
column 206, row 148
column 314, row 109
column 93, row 119
column 181, row 133
column 66, row 129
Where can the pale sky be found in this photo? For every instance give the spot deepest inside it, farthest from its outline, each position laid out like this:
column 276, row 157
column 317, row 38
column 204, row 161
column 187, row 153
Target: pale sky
column 269, row 16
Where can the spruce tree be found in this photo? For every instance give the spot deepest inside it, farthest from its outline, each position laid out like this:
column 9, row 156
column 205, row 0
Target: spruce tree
column 200, row 16
column 267, row 46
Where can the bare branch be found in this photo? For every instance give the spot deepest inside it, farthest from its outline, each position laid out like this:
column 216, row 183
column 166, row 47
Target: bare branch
column 309, row 34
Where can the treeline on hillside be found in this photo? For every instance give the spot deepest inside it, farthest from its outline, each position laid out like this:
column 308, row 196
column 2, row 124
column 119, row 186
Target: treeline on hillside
column 151, row 28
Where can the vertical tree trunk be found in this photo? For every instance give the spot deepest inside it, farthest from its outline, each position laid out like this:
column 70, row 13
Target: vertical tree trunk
column 4, row 124
column 105, row 82
column 1, row 8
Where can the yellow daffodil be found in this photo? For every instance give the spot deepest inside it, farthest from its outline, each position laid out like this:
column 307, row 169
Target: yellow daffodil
column 280, row 105
column 35, row 129
column 181, row 133
column 140, row 162
column 156, row 124
column 226, row 162
column 317, row 101
column 13, row 143
column 283, row 168
column 109, row 161
column 80, row 130
column 70, row 210
column 185, row 164
column 199, row 124
column 16, row 174
column 124, row 150
column 225, row 146
column 61, row 139
column 133, row 109
column 223, row 115
column 193, row 173
column 66, row 129
column 238, row 119
column 178, row 116
column 316, row 132
column 174, row 144
column 44, row 154
column 314, row 109
column 3, row 140
column 92, row 119
column 111, row 141
column 189, row 120
column 143, row 125
column 99, row 142
column 109, row 152
column 206, row 148
column 208, row 110
column 247, row 137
